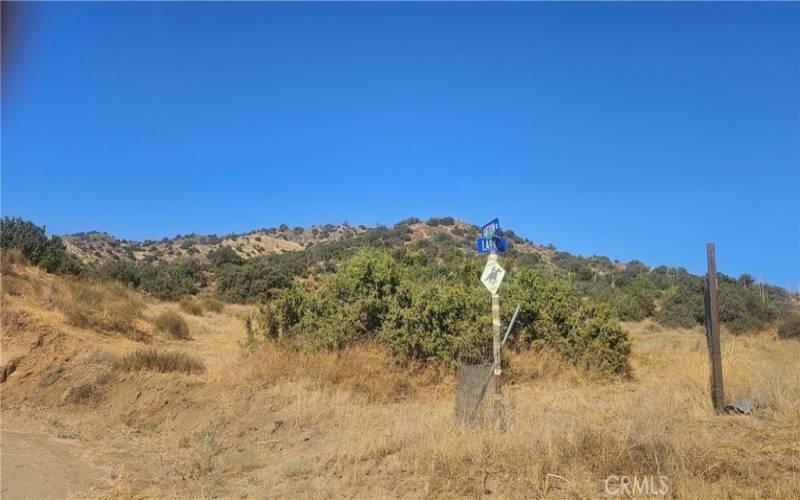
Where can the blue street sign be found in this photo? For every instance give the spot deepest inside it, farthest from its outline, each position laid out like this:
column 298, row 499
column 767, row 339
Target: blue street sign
column 491, row 230
column 491, row 245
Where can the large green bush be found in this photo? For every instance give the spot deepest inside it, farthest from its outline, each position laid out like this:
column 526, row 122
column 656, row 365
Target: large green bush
column 171, row 281
column 681, row 307
column 585, row 332
column 224, row 255
column 48, row 253
column 255, row 280
column 743, row 310
column 439, row 321
column 633, row 305
column 429, row 310
column 596, row 341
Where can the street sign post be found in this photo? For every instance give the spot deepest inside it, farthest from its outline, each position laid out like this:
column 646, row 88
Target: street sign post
column 491, row 241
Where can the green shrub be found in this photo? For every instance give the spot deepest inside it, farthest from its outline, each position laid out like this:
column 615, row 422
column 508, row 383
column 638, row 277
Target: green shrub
column 118, row 270
column 743, row 310
column 551, row 315
column 190, row 306
column 441, row 221
column 597, row 342
column 172, row 323
column 224, row 255
column 48, row 253
column 171, row 281
column 423, row 310
column 256, row 280
column 789, row 328
column 260, row 324
column 350, row 305
column 633, row 305
column 546, row 307
column 290, row 306
column 681, row 307
column 432, row 321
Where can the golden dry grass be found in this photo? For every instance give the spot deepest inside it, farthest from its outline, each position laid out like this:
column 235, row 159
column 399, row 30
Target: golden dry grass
column 565, row 433
column 173, row 324
column 161, row 361
column 191, row 306
column 364, row 370
column 108, row 307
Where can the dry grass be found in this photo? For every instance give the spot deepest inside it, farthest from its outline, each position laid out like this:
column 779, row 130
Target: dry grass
column 565, row 434
column 85, row 392
column 190, row 306
column 173, row 324
column 108, row 307
column 11, row 259
column 161, row 361
column 364, row 370
column 212, row 305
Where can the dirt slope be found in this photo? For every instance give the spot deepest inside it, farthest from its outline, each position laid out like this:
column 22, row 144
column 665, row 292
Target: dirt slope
column 42, row 466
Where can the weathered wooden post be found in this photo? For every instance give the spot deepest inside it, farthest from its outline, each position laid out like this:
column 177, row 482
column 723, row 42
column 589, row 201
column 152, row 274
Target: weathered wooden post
column 712, row 331
column 497, row 350
column 491, row 241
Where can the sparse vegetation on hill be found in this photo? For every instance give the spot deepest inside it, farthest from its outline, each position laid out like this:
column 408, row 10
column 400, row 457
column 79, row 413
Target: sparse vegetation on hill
column 440, row 249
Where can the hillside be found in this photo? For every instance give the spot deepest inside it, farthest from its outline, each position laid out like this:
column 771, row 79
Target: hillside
column 96, row 248
column 264, row 264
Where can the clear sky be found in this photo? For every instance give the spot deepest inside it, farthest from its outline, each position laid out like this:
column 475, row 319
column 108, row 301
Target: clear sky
column 628, row 130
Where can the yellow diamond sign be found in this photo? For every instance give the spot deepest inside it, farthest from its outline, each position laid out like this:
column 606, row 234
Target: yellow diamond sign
column 492, row 276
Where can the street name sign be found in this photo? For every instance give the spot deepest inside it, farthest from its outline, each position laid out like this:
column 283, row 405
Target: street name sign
column 491, row 230
column 491, row 245
column 491, row 239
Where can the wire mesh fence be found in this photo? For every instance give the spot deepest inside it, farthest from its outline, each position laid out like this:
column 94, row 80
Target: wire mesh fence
column 469, row 391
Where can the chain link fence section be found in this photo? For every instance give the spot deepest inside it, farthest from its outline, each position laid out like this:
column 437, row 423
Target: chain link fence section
column 469, row 391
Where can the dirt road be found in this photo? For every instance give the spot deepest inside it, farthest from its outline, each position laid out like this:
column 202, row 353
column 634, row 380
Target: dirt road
column 42, row 467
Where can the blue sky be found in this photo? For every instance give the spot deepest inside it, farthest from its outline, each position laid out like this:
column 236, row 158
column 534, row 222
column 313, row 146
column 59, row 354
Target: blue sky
column 629, row 130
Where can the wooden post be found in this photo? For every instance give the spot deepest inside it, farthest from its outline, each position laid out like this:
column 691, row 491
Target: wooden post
column 497, row 344
column 715, row 352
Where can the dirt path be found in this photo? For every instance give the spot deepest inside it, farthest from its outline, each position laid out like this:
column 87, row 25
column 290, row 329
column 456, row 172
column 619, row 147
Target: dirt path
column 42, row 467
